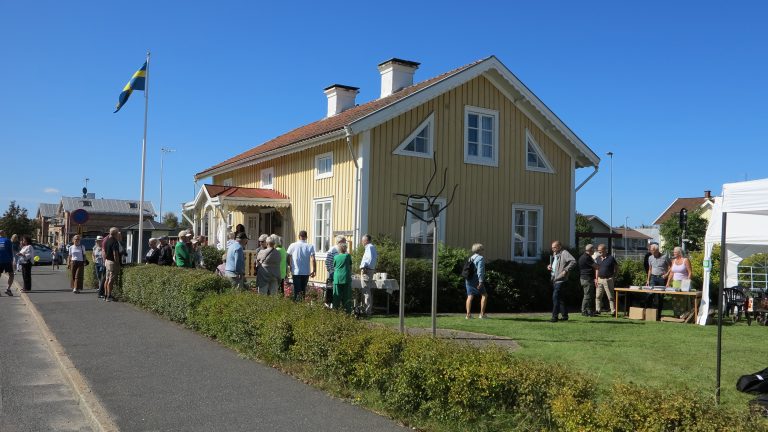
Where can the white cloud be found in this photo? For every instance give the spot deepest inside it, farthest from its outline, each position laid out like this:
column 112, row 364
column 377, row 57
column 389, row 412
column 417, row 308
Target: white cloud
column 50, row 190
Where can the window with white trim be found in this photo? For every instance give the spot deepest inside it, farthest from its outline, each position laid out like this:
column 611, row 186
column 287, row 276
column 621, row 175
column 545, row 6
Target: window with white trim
column 481, row 136
column 418, row 231
column 267, row 178
column 419, row 142
column 322, row 211
column 535, row 160
column 324, row 165
column 527, row 231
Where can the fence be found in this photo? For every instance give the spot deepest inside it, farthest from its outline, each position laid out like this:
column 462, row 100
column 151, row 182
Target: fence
column 754, row 276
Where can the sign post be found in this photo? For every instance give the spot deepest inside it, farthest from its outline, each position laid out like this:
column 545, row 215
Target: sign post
column 79, row 217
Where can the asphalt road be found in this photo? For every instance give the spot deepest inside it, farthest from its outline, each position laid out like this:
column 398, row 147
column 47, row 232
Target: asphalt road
column 34, row 395
column 153, row 375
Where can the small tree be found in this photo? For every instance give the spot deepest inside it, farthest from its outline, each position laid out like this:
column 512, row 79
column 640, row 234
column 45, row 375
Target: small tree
column 171, row 220
column 697, row 229
column 16, row 221
column 583, row 226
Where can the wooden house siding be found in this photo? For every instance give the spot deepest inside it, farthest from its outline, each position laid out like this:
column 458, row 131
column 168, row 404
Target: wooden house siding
column 482, row 209
column 294, row 176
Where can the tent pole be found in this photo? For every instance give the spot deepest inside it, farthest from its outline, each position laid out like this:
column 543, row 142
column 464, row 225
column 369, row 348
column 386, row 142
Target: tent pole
column 720, row 305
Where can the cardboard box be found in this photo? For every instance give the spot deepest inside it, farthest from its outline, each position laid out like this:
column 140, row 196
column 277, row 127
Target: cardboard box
column 650, row 314
column 636, row 313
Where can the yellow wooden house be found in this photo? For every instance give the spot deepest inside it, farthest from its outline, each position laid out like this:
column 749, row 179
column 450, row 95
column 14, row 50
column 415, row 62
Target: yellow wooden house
column 513, row 159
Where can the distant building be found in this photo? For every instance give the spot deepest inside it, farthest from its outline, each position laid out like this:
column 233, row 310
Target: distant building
column 46, row 217
column 704, row 204
column 633, row 241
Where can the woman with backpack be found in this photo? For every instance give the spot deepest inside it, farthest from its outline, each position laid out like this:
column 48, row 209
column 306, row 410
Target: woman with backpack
column 474, row 275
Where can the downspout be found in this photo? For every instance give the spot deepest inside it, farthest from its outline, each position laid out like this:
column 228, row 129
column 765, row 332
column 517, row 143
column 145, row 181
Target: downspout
column 587, row 179
column 356, row 199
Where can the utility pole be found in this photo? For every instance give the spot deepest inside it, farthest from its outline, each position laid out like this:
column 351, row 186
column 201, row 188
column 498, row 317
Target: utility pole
column 163, row 151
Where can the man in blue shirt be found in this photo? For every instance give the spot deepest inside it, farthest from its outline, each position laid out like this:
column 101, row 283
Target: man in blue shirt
column 234, row 268
column 6, row 259
column 301, row 258
column 367, row 269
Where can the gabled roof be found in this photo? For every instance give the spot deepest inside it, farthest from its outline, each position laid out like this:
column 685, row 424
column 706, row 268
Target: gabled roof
column 681, row 203
column 631, row 233
column 242, row 192
column 150, row 224
column 106, row 206
column 371, row 114
column 596, row 218
column 48, row 210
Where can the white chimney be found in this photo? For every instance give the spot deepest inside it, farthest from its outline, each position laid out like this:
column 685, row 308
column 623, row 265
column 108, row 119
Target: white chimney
column 340, row 98
column 396, row 74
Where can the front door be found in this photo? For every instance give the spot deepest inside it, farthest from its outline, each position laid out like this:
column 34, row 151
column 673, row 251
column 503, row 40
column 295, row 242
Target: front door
column 252, row 231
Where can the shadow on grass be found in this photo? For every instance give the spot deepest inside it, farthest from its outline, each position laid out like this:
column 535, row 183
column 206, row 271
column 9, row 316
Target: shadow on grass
column 546, row 320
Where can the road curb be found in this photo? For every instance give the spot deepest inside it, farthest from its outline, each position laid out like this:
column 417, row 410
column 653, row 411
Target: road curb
column 94, row 412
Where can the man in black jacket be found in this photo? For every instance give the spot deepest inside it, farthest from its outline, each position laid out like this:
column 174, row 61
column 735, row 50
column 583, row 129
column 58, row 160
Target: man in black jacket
column 587, row 269
column 165, row 257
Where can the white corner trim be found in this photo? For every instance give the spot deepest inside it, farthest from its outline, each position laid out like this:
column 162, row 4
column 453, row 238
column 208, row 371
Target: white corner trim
column 364, row 161
column 479, row 160
column 429, row 121
column 270, row 170
column 530, row 139
column 329, row 174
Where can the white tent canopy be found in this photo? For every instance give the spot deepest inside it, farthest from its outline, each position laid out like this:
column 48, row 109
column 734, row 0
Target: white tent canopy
column 746, row 204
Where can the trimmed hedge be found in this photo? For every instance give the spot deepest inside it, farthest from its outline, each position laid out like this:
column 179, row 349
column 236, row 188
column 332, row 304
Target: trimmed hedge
column 437, row 384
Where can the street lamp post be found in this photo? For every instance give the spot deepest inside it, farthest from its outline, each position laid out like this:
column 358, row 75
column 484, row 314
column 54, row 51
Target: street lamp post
column 163, row 151
column 626, row 225
column 610, row 227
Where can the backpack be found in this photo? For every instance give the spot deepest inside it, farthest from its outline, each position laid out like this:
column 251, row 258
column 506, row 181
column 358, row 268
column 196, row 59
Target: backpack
column 469, row 270
column 754, row 383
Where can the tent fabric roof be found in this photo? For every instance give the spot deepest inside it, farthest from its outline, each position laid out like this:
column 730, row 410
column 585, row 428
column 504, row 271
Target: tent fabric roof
column 335, row 123
column 48, row 210
column 106, row 206
column 746, row 197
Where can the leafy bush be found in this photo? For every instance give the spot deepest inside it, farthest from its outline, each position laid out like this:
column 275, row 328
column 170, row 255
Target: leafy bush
column 211, row 257
column 630, row 272
column 451, row 386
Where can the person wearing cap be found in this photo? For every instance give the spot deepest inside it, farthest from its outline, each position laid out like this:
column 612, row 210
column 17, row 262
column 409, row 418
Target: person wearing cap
column 183, row 250
column 99, row 270
column 153, row 254
column 234, row 266
column 165, row 256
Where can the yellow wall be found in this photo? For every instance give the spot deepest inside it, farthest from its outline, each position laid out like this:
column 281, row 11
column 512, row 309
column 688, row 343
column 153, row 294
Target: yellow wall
column 295, row 177
column 482, row 209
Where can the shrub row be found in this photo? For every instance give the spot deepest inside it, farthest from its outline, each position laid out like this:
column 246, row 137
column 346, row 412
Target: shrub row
column 437, row 383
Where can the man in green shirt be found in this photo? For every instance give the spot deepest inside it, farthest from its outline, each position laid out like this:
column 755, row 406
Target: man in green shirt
column 183, row 250
column 283, row 261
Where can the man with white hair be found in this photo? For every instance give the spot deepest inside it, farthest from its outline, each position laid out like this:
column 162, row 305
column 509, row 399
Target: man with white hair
column 658, row 270
column 269, row 261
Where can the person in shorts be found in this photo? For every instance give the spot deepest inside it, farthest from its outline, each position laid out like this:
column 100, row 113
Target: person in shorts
column 6, row 260
column 112, row 261
column 475, row 283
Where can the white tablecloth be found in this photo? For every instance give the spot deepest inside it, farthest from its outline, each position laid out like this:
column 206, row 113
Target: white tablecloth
column 390, row 285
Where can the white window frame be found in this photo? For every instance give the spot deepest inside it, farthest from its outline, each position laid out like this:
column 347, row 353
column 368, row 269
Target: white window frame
column 329, row 174
column 327, row 236
column 493, row 161
column 267, row 171
column 428, row 122
column 411, row 219
column 227, row 182
column 539, row 231
column 529, row 139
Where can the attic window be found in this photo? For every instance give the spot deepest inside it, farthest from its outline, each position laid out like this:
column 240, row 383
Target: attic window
column 133, row 205
column 418, row 143
column 534, row 158
column 87, row 204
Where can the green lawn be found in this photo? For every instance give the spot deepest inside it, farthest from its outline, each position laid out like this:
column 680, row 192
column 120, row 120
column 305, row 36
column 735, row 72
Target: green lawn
column 659, row 354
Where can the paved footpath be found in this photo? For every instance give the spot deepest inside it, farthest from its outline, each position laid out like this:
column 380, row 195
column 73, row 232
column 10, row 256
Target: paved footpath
column 148, row 374
column 34, row 394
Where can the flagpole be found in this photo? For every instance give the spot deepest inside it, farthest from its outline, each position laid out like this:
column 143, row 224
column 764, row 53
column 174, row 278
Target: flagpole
column 140, row 250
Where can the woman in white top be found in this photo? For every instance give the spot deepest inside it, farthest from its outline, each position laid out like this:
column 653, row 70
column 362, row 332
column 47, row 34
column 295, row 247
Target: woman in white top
column 24, row 258
column 680, row 270
column 76, row 263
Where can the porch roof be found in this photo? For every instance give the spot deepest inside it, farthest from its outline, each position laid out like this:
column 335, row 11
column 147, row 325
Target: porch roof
column 219, row 195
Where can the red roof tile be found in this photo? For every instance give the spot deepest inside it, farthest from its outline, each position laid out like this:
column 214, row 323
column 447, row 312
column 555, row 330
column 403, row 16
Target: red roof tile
column 335, row 123
column 242, row 192
column 681, row 203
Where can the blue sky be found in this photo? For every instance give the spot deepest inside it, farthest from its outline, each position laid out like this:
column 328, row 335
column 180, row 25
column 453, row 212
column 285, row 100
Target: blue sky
column 676, row 90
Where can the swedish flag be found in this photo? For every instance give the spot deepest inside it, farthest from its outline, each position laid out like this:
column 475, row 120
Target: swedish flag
column 137, row 82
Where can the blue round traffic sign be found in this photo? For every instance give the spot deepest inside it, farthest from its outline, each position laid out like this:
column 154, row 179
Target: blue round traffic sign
column 79, row 216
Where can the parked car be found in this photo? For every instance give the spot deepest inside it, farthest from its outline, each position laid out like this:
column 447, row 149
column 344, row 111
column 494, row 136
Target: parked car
column 43, row 254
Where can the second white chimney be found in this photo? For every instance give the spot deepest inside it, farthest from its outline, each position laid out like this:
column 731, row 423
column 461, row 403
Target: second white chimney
column 396, row 74
column 340, row 98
